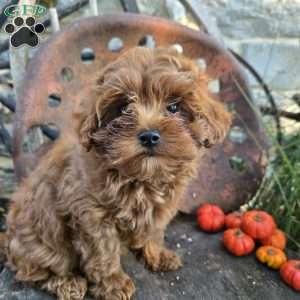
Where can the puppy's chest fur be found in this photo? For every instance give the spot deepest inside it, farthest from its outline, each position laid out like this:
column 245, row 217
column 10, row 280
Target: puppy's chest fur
column 139, row 208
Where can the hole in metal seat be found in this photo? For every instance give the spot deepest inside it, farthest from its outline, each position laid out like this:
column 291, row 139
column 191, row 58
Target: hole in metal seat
column 36, row 137
column 147, row 41
column 115, row 44
column 54, row 100
column 87, row 55
column 67, row 74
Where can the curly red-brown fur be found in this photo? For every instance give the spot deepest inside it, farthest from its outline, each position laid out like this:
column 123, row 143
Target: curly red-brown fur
column 98, row 191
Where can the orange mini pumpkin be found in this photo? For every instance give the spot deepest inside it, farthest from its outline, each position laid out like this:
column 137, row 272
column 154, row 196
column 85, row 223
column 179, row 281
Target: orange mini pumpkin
column 290, row 273
column 258, row 224
column 271, row 256
column 277, row 240
column 210, row 217
column 237, row 242
column 233, row 220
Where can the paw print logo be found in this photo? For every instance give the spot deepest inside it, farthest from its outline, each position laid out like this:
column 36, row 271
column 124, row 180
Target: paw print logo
column 24, row 33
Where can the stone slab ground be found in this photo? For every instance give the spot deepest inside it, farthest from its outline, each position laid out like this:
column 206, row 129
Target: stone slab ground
column 209, row 273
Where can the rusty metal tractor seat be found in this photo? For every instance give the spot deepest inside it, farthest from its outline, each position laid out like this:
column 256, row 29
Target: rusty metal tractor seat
column 62, row 71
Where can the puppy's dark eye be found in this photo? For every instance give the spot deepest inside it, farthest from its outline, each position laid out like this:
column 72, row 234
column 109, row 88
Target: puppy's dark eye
column 123, row 108
column 115, row 110
column 173, row 108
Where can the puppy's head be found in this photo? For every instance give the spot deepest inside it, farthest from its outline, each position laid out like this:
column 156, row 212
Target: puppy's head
column 153, row 112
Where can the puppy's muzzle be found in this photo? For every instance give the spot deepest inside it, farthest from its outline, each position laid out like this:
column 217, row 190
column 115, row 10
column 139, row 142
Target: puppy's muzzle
column 149, row 138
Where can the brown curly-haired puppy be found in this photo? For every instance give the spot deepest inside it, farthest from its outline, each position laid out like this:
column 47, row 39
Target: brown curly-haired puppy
column 118, row 183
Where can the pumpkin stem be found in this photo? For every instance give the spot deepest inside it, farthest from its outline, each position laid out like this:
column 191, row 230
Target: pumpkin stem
column 238, row 233
column 257, row 218
column 271, row 251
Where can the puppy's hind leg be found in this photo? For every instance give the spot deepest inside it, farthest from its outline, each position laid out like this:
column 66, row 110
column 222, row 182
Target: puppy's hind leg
column 66, row 288
column 41, row 267
column 37, row 245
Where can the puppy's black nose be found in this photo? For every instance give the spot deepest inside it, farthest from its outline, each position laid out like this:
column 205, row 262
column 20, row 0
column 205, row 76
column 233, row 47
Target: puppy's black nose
column 149, row 138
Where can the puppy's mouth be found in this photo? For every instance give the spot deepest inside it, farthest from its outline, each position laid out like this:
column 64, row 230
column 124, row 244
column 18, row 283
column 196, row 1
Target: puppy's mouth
column 150, row 152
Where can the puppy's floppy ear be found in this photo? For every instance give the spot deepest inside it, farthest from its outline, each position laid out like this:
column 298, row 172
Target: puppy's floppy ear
column 87, row 114
column 86, row 122
column 88, row 126
column 213, row 120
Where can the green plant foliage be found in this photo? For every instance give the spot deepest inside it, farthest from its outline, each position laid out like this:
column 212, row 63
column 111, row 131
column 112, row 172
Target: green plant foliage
column 280, row 191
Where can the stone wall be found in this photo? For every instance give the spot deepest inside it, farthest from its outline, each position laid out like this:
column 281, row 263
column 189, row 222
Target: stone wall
column 266, row 33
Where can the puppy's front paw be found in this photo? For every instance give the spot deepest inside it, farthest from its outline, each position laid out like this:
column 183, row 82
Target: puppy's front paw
column 119, row 287
column 165, row 260
column 169, row 260
column 73, row 288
